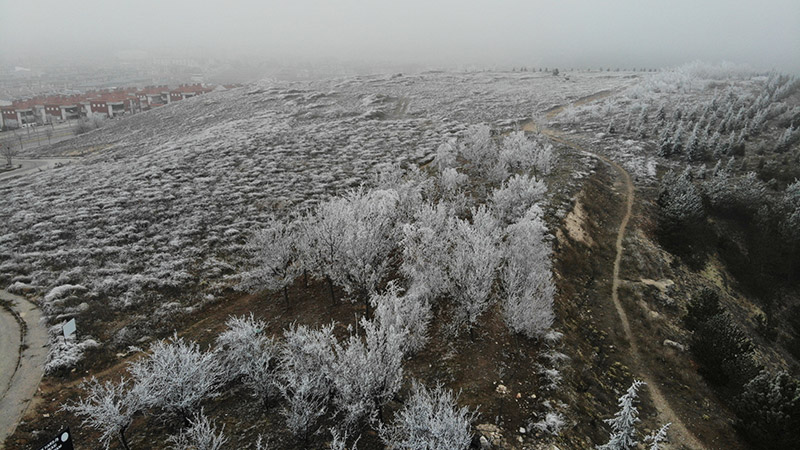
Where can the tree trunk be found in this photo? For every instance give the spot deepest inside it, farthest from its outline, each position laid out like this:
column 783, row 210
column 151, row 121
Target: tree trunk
column 123, row 440
column 286, row 296
column 305, row 278
column 330, row 289
column 367, row 305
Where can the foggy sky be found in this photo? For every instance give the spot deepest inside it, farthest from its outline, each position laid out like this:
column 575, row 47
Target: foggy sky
column 568, row 33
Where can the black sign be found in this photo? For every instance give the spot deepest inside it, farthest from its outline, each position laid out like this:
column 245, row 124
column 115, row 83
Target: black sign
column 61, row 442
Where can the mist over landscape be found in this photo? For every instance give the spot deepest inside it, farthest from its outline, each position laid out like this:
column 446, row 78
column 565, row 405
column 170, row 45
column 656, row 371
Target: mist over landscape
column 400, row 225
column 441, row 34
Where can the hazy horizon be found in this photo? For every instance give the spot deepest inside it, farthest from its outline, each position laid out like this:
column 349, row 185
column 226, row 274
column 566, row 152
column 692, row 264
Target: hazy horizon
column 617, row 33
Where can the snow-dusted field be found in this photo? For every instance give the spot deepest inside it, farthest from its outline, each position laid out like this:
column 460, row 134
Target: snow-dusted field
column 158, row 210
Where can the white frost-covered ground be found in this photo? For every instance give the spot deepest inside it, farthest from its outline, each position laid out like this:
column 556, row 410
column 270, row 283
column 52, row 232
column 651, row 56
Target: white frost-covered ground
column 160, row 206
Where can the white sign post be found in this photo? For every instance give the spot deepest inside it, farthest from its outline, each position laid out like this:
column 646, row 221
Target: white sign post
column 69, row 329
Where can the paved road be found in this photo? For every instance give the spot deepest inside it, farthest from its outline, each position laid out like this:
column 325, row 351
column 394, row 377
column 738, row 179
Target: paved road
column 32, row 166
column 23, row 352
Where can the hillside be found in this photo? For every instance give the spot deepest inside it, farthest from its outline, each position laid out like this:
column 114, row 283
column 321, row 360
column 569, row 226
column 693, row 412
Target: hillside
column 540, row 271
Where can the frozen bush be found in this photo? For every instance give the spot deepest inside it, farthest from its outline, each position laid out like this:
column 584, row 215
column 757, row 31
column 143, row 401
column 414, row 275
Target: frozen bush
column 176, row 376
column 426, row 245
column 367, row 372
column 248, row 354
column 66, row 355
column 108, row 408
column 552, row 423
column 518, row 194
column 200, row 435
column 409, row 314
column 471, row 268
column 429, row 420
column 307, row 360
column 526, row 276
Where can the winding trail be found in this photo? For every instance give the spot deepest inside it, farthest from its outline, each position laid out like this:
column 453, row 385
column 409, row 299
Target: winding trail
column 23, row 351
column 678, row 432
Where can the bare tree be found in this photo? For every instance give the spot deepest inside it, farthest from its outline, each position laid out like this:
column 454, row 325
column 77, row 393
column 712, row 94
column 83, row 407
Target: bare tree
column 8, row 152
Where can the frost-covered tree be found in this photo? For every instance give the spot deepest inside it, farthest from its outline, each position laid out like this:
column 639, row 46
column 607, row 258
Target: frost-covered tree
column 516, row 196
column 623, row 424
column 659, row 436
column 429, row 420
column 446, row 155
column 176, row 376
column 201, row 434
column 109, row 408
column 273, row 253
column 737, row 195
column 249, row 356
column 307, row 361
column 681, row 205
column 427, row 244
column 665, row 142
column 478, row 147
column 791, row 213
column 677, row 139
column 694, row 145
column 408, row 313
column 518, row 153
column 526, row 276
column 451, row 183
column 472, row 265
column 352, row 238
column 367, row 372
column 768, row 410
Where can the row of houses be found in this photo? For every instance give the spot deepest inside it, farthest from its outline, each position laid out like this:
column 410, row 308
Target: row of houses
column 106, row 103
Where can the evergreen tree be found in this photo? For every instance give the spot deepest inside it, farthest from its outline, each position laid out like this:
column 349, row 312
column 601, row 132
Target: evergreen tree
column 623, row 424
column 768, row 411
column 665, row 142
column 694, row 152
column 677, row 139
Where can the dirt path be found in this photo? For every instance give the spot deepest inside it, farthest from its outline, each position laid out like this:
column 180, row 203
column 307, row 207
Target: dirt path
column 23, row 351
column 680, row 436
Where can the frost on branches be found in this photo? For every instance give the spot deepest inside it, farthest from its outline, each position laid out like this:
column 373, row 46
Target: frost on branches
column 307, row 360
column 249, row 356
column 472, row 266
column 367, row 373
column 176, row 376
column 200, row 435
column 351, row 238
column 623, row 424
column 273, row 252
column 109, row 408
column 409, row 314
column 430, row 419
column 526, row 276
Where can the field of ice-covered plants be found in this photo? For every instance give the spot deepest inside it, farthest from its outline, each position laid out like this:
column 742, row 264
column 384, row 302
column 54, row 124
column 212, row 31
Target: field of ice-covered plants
column 697, row 113
column 154, row 215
